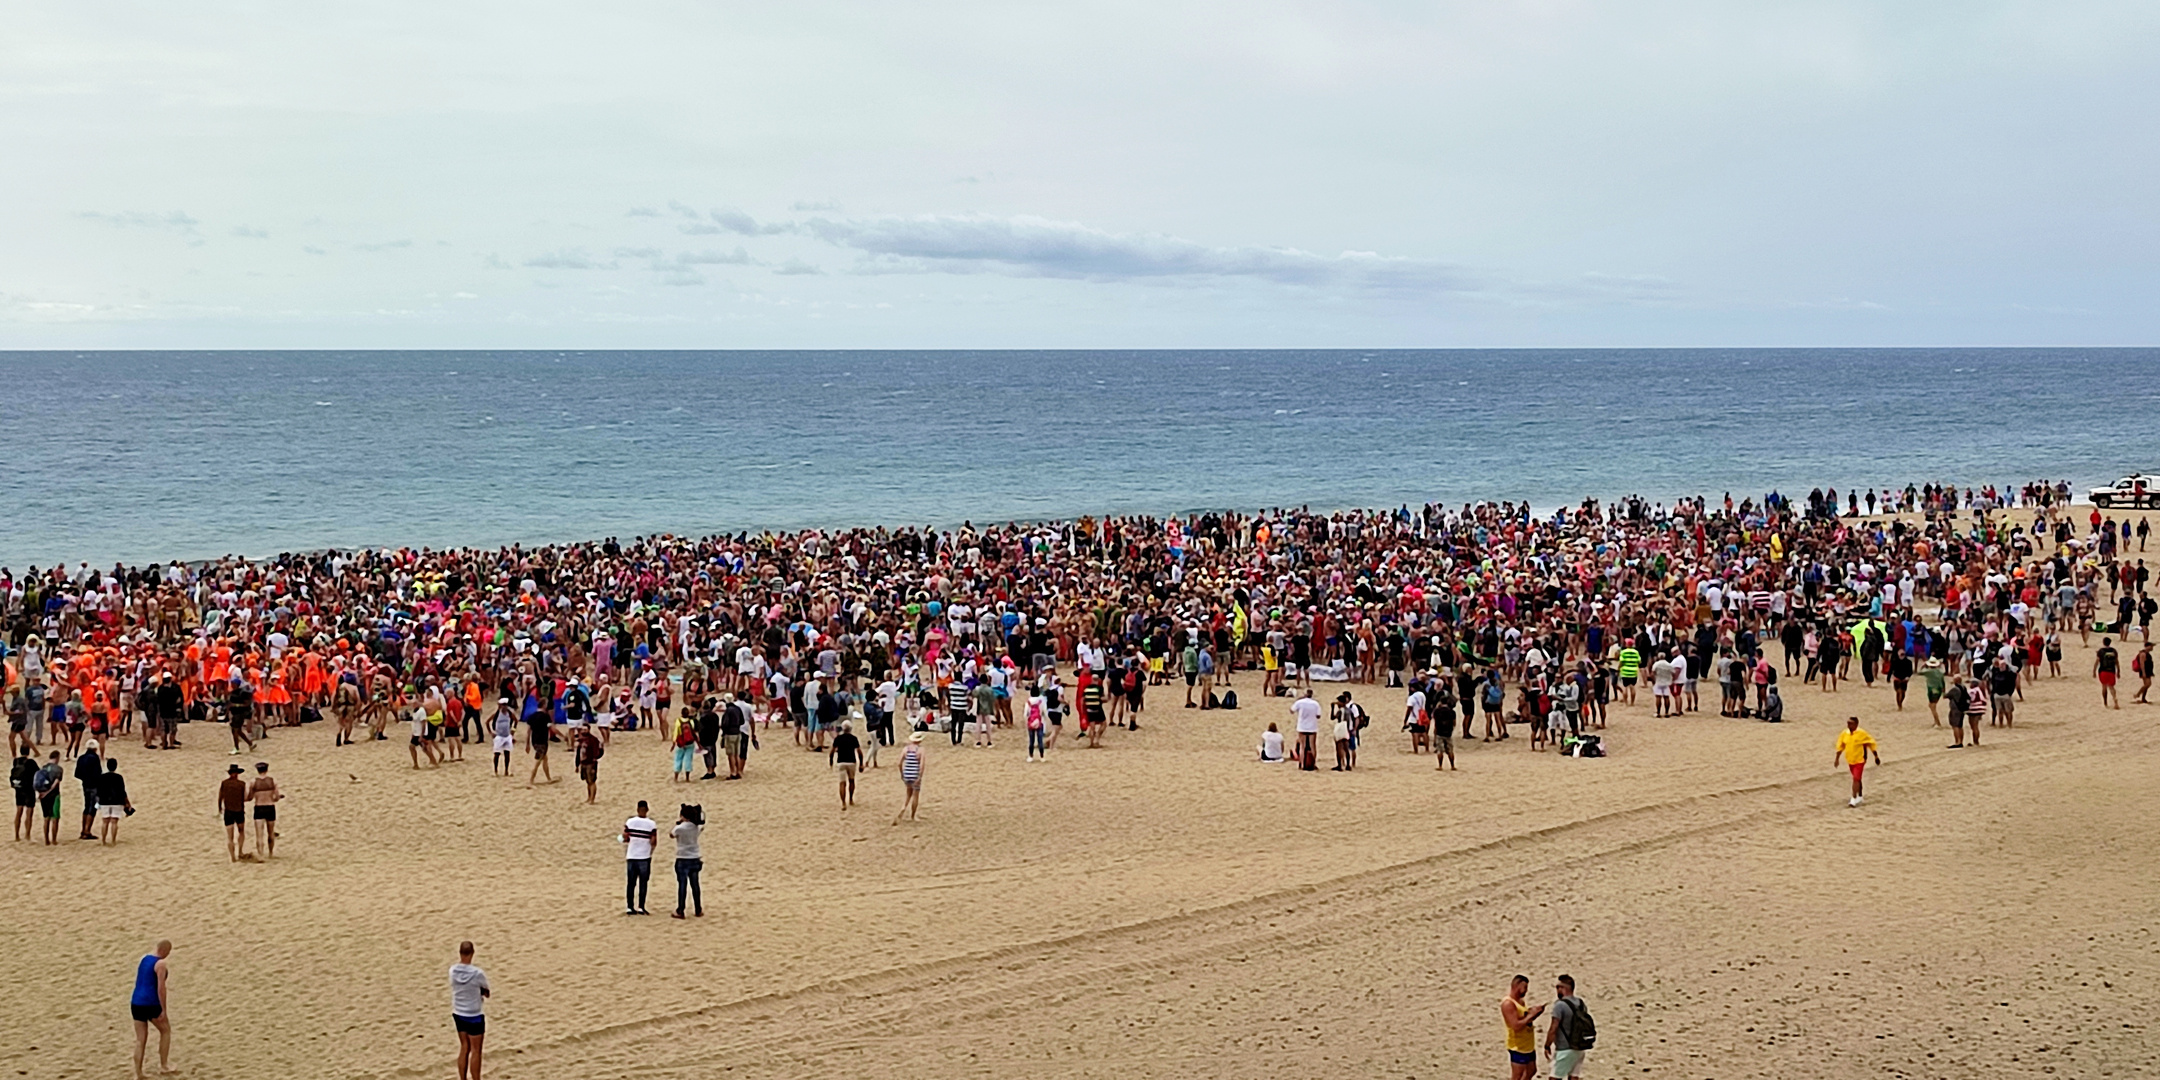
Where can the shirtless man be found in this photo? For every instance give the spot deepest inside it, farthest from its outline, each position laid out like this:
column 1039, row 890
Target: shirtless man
column 232, row 807
column 264, row 793
column 345, row 701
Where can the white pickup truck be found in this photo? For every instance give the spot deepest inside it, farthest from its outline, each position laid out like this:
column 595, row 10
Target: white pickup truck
column 2135, row 491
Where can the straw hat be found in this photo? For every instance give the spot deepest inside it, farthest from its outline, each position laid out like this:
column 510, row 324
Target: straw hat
column 915, row 737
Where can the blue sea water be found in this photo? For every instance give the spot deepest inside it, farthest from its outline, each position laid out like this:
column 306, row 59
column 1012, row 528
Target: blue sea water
column 143, row 456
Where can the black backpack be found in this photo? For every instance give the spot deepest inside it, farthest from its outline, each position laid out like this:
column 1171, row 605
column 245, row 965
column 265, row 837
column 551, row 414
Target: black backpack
column 1229, row 699
column 1581, row 1030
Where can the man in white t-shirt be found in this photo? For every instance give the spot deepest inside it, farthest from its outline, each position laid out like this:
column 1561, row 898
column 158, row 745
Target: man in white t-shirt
column 1307, row 713
column 637, row 839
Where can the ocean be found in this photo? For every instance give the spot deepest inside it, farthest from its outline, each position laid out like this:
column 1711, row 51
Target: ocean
column 151, row 456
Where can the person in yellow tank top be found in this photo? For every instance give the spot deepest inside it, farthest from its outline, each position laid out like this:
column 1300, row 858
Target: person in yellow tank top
column 1518, row 1016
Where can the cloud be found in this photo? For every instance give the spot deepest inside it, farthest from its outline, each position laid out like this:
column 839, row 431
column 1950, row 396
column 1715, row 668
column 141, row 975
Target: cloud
column 681, row 209
column 796, row 266
column 251, row 233
column 637, row 253
column 814, row 206
column 737, row 257
column 642, row 211
column 1041, row 247
column 139, row 219
column 313, row 250
column 735, row 221
column 567, row 259
column 682, row 277
column 387, row 245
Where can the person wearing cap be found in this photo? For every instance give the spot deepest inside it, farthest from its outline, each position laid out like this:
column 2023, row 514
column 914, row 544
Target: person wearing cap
column 911, row 771
column 232, row 803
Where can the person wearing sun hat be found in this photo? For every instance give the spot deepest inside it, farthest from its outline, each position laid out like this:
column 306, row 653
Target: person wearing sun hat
column 232, row 803
column 911, row 770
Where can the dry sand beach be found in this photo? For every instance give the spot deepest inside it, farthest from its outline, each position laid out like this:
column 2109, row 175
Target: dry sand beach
column 1164, row 906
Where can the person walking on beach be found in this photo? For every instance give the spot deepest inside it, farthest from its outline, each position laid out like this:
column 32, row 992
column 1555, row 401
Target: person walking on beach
column 637, row 839
column 1517, row 1016
column 264, row 793
column 1854, row 747
column 232, row 806
column 911, row 772
column 845, row 755
column 586, row 751
column 2141, row 665
column 150, row 1006
column 1570, row 1033
column 689, row 858
column 2106, row 666
column 468, row 1010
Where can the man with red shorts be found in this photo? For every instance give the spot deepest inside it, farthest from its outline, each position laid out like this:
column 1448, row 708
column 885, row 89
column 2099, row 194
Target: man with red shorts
column 1853, row 748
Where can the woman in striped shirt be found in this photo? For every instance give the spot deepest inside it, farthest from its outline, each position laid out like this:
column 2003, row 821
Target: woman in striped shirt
column 911, row 767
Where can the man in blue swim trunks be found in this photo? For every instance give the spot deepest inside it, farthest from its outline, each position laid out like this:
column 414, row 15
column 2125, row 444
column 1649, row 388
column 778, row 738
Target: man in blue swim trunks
column 468, row 992
column 147, row 1005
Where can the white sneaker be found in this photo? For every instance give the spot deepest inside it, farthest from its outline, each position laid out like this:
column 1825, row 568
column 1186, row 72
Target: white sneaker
column 1860, row 801
column 1854, row 801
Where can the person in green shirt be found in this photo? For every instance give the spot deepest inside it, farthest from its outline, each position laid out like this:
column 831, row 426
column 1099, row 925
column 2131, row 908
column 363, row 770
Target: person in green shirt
column 1630, row 666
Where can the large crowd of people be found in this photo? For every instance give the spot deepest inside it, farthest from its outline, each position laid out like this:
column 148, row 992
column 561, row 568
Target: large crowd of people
column 1487, row 612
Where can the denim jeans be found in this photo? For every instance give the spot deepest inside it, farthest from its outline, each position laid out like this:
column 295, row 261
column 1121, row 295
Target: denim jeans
column 640, row 876
column 686, row 881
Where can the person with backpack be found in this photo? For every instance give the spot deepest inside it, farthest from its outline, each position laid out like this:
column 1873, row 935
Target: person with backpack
column 1571, row 1032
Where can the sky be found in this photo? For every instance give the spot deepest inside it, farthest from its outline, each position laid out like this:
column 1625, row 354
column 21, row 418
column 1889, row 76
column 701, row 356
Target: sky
column 1167, row 174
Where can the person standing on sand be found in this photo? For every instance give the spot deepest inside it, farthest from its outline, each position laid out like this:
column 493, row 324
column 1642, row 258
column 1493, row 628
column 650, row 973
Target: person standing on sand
column 1960, row 700
column 539, row 731
column 113, row 803
column 1306, row 712
column 2106, row 666
column 1517, row 1016
column 1569, row 1033
column 911, row 771
column 233, row 800
column 22, row 777
column 689, row 857
column 468, row 1010
column 637, row 838
column 47, row 784
column 586, row 752
column 89, row 767
column 1931, row 673
column 150, row 1006
column 1854, row 747
column 265, row 795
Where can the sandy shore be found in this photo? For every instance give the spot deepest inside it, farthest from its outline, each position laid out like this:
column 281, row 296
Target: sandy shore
column 1160, row 907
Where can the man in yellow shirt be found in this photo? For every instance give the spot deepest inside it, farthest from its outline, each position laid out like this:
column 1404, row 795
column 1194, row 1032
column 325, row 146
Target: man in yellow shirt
column 1853, row 748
